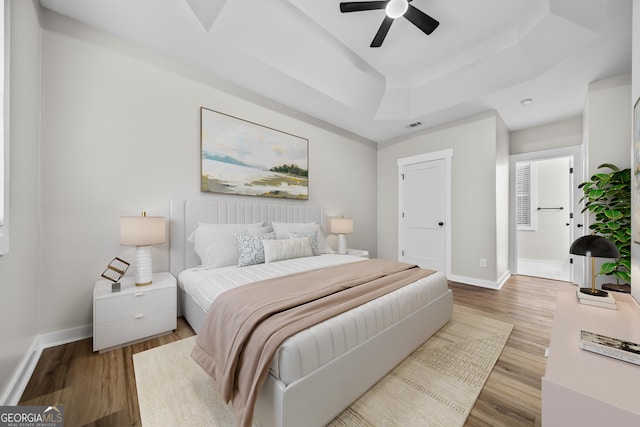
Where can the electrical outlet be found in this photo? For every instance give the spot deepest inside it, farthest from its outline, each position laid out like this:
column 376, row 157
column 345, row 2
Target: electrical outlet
column 483, row 262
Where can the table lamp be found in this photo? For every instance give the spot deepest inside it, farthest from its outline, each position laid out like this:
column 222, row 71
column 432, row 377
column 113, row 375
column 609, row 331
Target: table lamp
column 595, row 247
column 341, row 227
column 142, row 232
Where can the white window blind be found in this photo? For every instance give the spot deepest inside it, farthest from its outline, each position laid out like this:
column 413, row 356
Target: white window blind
column 525, row 196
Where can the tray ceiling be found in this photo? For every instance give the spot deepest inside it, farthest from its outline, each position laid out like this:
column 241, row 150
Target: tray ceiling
column 305, row 54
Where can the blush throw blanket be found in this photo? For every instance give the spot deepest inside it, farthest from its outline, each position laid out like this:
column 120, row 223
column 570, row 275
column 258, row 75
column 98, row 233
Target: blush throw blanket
column 245, row 326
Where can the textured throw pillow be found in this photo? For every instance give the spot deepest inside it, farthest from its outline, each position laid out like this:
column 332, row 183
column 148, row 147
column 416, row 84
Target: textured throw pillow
column 282, row 230
column 313, row 239
column 251, row 248
column 278, row 250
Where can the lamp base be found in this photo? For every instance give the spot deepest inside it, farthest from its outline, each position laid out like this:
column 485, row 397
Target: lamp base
column 342, row 244
column 594, row 292
column 143, row 266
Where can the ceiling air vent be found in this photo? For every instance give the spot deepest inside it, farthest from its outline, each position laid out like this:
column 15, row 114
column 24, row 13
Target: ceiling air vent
column 413, row 125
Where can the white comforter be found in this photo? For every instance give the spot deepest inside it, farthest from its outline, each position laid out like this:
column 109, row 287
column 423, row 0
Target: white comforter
column 314, row 347
column 204, row 285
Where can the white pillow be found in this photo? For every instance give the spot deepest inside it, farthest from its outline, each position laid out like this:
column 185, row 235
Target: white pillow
column 258, row 231
column 215, row 244
column 282, row 230
column 277, row 250
column 251, row 249
column 252, row 225
column 313, row 239
column 192, row 237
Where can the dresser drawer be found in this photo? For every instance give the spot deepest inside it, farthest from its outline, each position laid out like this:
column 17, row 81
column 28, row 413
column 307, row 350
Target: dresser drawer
column 134, row 327
column 127, row 305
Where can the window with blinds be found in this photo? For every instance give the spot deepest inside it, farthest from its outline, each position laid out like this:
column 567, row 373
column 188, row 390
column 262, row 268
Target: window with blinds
column 525, row 196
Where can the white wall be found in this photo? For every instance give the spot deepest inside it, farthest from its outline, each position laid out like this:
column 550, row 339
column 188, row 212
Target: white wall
column 19, row 269
column 474, row 215
column 608, row 126
column 562, row 133
column 635, row 226
column 549, row 242
column 608, row 123
column 502, row 198
column 121, row 134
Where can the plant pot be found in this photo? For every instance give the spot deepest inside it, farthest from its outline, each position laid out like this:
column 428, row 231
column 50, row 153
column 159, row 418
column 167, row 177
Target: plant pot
column 625, row 288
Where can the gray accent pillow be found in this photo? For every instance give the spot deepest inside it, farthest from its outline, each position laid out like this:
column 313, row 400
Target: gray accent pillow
column 251, row 249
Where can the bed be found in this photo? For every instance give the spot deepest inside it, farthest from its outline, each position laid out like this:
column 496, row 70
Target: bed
column 306, row 383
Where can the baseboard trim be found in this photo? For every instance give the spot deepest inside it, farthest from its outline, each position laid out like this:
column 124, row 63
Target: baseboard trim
column 503, row 279
column 21, row 376
column 481, row 282
column 65, row 336
column 28, row 364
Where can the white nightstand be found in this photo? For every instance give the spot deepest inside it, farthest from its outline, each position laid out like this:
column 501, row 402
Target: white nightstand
column 134, row 313
column 358, row 252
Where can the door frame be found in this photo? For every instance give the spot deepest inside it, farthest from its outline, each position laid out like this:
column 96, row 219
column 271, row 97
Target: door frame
column 576, row 152
column 445, row 155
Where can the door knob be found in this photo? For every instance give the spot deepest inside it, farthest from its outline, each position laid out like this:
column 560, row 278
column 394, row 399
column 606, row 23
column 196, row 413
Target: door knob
column 441, row 223
column 579, row 225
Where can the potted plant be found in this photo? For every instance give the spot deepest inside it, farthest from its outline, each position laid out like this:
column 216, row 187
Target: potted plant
column 608, row 198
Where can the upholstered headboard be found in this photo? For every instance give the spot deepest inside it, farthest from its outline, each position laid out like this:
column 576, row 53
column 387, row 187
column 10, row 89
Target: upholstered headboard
column 185, row 215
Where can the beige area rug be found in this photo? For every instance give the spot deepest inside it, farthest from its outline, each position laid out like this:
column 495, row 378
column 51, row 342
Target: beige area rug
column 437, row 385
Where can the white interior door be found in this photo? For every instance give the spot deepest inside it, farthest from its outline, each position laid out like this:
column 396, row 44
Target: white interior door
column 422, row 214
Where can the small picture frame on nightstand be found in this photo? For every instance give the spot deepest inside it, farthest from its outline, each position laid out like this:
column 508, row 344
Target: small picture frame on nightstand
column 114, row 272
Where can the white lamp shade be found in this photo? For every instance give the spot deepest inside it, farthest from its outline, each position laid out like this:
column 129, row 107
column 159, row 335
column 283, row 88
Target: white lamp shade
column 142, row 230
column 342, row 225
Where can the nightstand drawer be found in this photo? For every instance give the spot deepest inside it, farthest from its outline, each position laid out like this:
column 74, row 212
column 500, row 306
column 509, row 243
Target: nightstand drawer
column 134, row 327
column 123, row 306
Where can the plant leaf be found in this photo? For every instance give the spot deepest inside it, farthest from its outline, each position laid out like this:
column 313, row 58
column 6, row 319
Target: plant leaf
column 596, row 193
column 608, row 268
column 624, row 275
column 613, row 214
column 610, row 166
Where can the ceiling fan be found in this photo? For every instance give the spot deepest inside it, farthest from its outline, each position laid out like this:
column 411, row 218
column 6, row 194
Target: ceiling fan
column 394, row 9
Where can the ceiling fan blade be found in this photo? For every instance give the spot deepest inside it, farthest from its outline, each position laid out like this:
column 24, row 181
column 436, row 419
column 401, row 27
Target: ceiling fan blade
column 382, row 32
column 421, row 20
column 359, row 6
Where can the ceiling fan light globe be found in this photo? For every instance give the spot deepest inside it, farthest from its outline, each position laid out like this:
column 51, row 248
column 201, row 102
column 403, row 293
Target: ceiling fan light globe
column 397, row 8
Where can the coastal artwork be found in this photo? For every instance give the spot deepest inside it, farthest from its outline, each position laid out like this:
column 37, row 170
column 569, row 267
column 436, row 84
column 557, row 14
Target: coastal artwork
column 241, row 157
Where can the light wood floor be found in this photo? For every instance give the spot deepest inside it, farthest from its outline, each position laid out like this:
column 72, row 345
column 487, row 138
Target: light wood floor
column 100, row 390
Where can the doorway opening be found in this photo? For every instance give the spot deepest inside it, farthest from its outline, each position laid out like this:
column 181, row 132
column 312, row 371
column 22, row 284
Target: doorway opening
column 546, row 214
column 543, row 213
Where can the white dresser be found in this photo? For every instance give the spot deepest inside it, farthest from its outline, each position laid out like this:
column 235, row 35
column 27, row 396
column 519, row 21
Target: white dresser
column 585, row 389
column 134, row 313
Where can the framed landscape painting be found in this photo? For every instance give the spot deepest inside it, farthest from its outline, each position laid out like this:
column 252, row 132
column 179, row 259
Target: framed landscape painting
column 240, row 157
